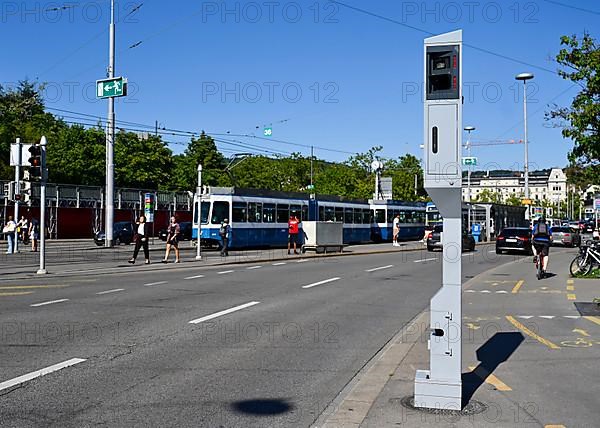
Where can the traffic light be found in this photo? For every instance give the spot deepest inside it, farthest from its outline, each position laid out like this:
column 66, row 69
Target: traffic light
column 35, row 162
column 26, row 191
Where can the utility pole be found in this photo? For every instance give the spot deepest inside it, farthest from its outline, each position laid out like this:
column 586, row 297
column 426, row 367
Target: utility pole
column 17, row 191
column 525, row 77
column 110, row 136
column 43, row 179
column 311, row 166
column 199, row 213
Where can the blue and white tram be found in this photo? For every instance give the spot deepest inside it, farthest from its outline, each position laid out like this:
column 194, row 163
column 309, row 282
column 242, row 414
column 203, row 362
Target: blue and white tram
column 355, row 215
column 412, row 219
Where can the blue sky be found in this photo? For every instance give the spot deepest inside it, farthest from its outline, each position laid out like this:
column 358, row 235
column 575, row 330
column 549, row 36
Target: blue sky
column 319, row 73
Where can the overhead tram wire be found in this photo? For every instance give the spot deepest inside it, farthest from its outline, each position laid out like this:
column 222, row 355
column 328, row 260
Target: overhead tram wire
column 412, row 27
column 568, row 6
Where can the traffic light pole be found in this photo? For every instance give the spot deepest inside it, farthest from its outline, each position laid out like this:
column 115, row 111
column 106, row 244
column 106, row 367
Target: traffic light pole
column 199, row 214
column 43, row 178
column 17, row 192
column 110, row 138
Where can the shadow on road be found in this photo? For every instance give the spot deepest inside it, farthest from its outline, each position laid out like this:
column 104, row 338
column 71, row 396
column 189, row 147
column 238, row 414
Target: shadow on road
column 491, row 354
column 263, row 406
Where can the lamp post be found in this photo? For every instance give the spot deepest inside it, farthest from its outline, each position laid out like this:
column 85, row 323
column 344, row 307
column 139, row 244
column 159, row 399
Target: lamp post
column 110, row 138
column 525, row 77
column 199, row 214
column 469, row 129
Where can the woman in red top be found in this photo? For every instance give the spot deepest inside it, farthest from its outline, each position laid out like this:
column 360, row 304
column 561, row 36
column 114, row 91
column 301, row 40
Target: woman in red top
column 293, row 232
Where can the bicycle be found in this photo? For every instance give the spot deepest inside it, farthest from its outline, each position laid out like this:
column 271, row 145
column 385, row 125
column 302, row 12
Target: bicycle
column 539, row 265
column 588, row 257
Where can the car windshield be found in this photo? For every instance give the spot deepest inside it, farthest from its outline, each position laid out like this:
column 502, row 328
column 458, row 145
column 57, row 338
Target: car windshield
column 562, row 229
column 515, row 232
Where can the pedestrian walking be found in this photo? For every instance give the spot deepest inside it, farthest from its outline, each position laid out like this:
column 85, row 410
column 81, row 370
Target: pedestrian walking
column 293, row 224
column 34, row 234
column 10, row 230
column 141, row 239
column 396, row 230
column 172, row 240
column 23, row 229
column 224, row 233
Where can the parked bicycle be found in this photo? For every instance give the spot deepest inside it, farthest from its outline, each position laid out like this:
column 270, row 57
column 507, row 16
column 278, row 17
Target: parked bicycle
column 586, row 260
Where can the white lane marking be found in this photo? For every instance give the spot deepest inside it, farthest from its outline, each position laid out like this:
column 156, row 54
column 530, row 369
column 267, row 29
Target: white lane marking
column 485, row 291
column 314, row 284
column 525, row 317
column 116, row 290
column 425, row 260
column 35, row 305
column 379, row 268
column 38, row 373
column 253, row 267
column 470, row 291
column 573, row 317
column 194, row 277
column 468, row 254
column 150, row 284
column 502, row 292
column 548, row 317
column 279, row 264
column 302, row 261
column 221, row 313
column 224, row 272
column 492, row 251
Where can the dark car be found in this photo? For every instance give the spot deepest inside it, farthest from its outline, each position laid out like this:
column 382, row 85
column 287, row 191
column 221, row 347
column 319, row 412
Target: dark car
column 122, row 234
column 434, row 239
column 514, row 239
column 185, row 232
column 565, row 236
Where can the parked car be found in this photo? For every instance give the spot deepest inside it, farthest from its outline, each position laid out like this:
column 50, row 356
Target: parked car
column 434, row 239
column 565, row 236
column 514, row 239
column 122, row 234
column 185, row 232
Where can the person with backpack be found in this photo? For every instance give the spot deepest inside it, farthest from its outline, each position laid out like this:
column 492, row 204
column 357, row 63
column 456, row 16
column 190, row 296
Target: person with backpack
column 542, row 238
column 224, row 232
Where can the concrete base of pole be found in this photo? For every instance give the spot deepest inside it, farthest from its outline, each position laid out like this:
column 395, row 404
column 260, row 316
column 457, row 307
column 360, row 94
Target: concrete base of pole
column 42, row 272
column 198, row 257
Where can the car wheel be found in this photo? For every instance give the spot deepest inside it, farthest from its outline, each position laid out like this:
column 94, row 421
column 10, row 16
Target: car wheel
column 429, row 248
column 498, row 251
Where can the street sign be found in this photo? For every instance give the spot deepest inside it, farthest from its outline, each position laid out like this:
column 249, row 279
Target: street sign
column 469, row 160
column 149, row 207
column 14, row 154
column 108, row 88
column 267, row 132
column 597, row 204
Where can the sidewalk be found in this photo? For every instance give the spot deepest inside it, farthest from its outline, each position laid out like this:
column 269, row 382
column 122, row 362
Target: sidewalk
column 67, row 257
column 527, row 358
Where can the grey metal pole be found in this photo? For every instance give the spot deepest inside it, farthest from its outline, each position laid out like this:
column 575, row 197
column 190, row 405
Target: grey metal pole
column 17, row 192
column 526, row 168
column 110, row 137
column 199, row 214
column 44, row 176
column 311, row 166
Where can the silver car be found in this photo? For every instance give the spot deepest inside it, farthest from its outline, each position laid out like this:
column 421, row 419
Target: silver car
column 566, row 236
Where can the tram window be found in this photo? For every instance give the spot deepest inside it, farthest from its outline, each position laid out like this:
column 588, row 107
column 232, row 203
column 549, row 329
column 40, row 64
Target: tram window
column 329, row 214
column 392, row 214
column 283, row 212
column 348, row 217
column 379, row 216
column 295, row 210
column 239, row 212
column 321, row 213
column 204, row 208
column 357, row 216
column 195, row 212
column 304, row 213
column 405, row 217
column 269, row 213
column 254, row 212
column 339, row 214
column 366, row 216
column 220, row 212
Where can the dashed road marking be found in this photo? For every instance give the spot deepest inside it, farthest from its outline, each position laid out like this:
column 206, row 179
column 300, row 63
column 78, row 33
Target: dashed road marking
column 16, row 293
column 595, row 320
column 571, row 296
column 225, row 312
column 517, row 286
column 35, row 305
column 314, row 284
column 379, row 268
column 150, row 284
column 488, row 377
column 554, row 426
column 302, row 261
column 194, row 277
column 570, row 288
column 29, row 287
column 279, row 263
column 224, row 272
column 425, row 260
column 530, row 333
column 116, row 290
column 253, row 267
column 581, row 331
column 39, row 373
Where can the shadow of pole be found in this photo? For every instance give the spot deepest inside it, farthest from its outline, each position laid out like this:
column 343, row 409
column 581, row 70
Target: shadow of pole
column 491, row 354
column 263, row 407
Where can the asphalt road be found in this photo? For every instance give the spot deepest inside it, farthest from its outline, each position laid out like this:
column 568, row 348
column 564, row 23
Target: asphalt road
column 295, row 334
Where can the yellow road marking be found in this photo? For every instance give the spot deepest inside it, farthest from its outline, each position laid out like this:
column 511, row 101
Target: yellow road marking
column 487, row 377
column 473, row 326
column 530, row 333
column 554, row 426
column 570, row 288
column 517, row 286
column 580, row 331
column 24, row 287
column 595, row 320
column 571, row 296
column 570, row 281
column 17, row 293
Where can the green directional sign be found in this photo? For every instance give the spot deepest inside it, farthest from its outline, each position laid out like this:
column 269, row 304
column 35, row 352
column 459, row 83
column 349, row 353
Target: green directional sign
column 469, row 161
column 116, row 87
column 267, row 132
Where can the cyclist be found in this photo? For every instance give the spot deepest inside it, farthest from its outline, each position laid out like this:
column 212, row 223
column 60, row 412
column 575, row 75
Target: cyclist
column 541, row 242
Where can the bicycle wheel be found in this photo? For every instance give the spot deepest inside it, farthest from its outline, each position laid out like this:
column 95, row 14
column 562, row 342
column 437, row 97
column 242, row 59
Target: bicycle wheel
column 579, row 266
column 539, row 265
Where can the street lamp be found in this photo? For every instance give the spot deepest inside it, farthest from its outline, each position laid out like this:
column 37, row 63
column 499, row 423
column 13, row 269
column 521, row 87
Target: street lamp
column 199, row 213
column 525, row 77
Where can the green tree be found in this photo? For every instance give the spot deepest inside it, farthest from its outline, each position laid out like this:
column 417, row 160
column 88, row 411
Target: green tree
column 486, row 195
column 515, row 199
column 580, row 61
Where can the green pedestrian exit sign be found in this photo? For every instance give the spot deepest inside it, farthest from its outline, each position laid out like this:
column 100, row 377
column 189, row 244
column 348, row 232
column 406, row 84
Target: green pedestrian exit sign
column 108, row 88
column 470, row 161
